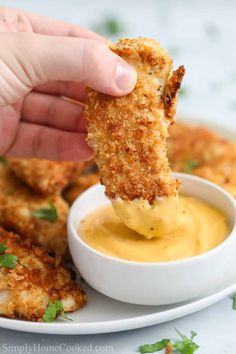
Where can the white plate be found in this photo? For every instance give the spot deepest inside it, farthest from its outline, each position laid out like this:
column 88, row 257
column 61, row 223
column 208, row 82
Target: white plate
column 104, row 315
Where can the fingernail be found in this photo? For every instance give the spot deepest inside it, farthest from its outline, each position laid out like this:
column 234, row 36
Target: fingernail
column 125, row 76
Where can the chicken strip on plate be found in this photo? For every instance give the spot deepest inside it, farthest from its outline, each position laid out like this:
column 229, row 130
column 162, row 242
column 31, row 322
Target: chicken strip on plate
column 34, row 282
column 80, row 185
column 43, row 176
column 39, row 218
column 200, row 151
column 81, row 180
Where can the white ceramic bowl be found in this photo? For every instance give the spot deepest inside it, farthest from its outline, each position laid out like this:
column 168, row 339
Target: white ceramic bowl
column 155, row 283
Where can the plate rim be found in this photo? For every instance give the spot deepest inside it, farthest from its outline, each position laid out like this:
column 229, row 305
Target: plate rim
column 112, row 326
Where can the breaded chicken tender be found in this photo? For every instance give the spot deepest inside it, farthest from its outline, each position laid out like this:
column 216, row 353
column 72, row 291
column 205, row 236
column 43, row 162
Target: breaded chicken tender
column 37, row 279
column 81, row 180
column 202, row 152
column 18, row 202
column 43, row 176
column 82, row 183
column 82, row 169
column 187, row 143
column 128, row 134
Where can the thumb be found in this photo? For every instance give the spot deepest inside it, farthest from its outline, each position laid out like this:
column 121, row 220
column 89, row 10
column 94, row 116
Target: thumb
column 50, row 58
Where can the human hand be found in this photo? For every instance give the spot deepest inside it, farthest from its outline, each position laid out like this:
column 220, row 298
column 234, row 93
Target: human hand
column 41, row 60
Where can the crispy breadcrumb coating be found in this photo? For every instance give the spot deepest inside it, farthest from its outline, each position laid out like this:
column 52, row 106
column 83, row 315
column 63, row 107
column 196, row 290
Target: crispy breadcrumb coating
column 202, row 152
column 26, row 290
column 128, row 134
column 17, row 202
column 82, row 168
column 82, row 183
column 81, row 180
column 43, row 176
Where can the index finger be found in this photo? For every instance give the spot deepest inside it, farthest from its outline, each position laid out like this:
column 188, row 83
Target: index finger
column 25, row 21
column 53, row 27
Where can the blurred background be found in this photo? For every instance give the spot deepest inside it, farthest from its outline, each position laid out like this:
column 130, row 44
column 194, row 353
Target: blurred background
column 199, row 34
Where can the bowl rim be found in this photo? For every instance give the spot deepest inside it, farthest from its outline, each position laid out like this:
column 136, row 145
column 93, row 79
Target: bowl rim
column 163, row 264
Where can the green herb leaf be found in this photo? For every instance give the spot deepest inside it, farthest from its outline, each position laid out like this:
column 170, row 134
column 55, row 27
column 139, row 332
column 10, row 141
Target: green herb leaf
column 155, row 347
column 53, row 310
column 8, row 260
column 109, row 27
column 49, row 214
column 182, row 92
column 212, row 31
column 234, row 301
column 112, row 26
column 3, row 247
column 185, row 345
column 190, row 165
column 174, row 51
column 3, row 160
column 65, row 316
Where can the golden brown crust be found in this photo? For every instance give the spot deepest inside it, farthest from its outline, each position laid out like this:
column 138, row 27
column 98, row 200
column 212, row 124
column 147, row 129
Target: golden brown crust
column 17, row 202
column 128, row 134
column 37, row 279
column 213, row 157
column 43, row 176
column 171, row 91
column 82, row 168
column 82, row 183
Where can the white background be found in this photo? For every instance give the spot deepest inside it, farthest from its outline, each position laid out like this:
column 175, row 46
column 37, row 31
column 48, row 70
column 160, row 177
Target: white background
column 202, row 36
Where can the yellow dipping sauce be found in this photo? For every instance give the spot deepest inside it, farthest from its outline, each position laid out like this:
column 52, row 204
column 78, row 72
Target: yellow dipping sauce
column 150, row 220
column 199, row 229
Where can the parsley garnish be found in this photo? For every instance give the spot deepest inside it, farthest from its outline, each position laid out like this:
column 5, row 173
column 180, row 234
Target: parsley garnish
column 3, row 247
column 234, row 301
column 49, row 214
column 190, row 165
column 54, row 309
column 182, row 92
column 174, row 51
column 155, row 347
column 7, row 260
column 109, row 27
column 183, row 346
column 212, row 31
column 3, row 160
